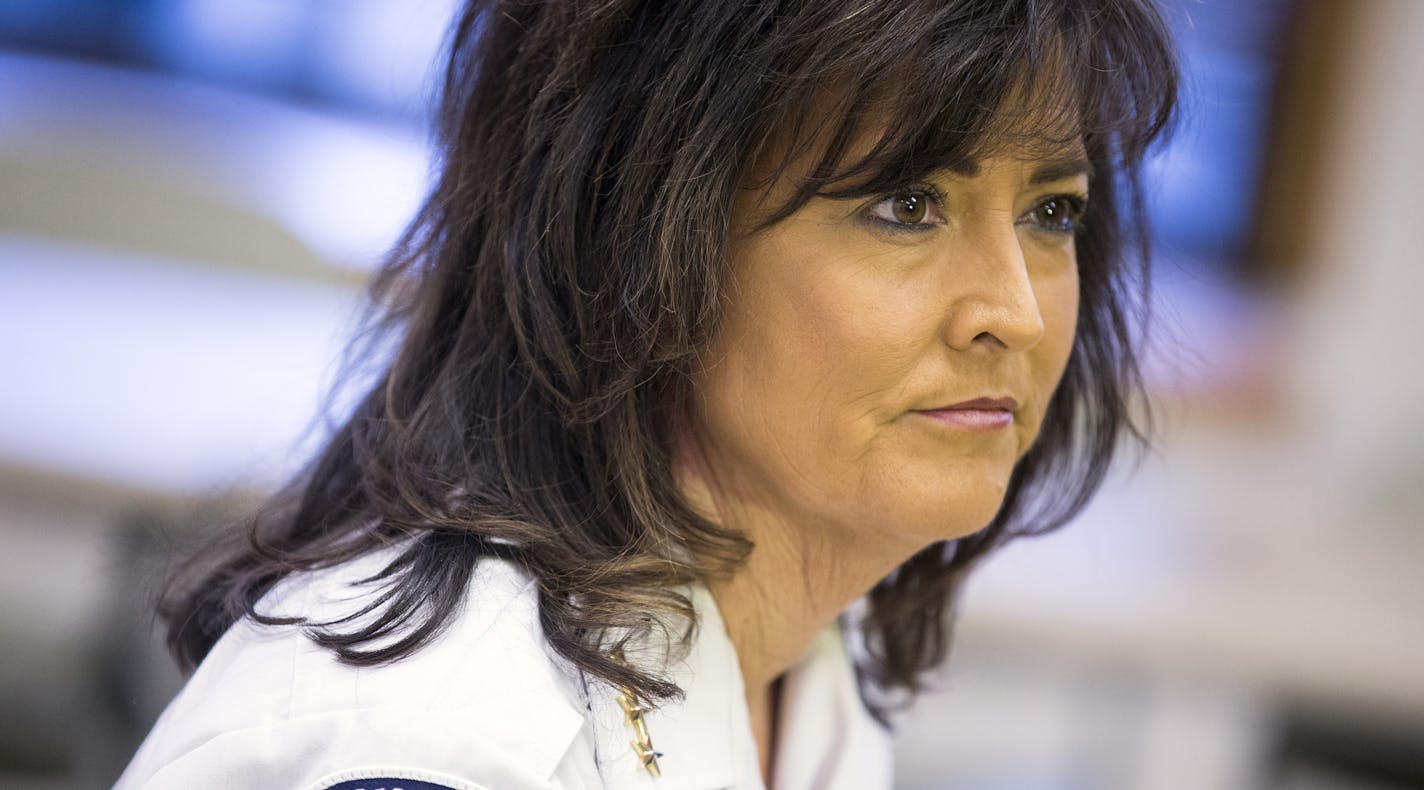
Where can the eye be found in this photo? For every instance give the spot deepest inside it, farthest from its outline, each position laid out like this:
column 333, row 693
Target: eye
column 1061, row 214
column 916, row 208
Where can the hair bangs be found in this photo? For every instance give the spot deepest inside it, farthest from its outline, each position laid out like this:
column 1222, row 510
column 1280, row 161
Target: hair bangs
column 935, row 88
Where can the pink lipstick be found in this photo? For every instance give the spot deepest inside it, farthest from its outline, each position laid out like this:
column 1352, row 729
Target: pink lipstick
column 980, row 414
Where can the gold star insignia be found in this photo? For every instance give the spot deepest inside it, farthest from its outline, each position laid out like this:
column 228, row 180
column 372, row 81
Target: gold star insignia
column 643, row 743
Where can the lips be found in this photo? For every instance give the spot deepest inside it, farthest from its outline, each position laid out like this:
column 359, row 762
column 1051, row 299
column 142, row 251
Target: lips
column 985, row 404
column 979, row 414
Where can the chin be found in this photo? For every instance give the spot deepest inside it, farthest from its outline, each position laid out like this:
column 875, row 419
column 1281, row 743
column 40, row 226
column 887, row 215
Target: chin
column 937, row 506
column 931, row 519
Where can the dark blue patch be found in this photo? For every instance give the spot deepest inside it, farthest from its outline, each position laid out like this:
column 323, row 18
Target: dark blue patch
column 387, row 783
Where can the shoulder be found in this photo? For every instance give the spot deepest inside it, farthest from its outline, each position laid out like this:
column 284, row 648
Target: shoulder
column 484, row 705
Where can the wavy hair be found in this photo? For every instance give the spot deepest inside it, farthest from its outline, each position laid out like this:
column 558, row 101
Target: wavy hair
column 547, row 304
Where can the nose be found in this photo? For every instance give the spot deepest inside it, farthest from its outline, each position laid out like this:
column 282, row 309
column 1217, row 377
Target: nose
column 991, row 300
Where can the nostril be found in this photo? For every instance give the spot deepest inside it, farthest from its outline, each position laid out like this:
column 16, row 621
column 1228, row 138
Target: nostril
column 989, row 338
column 1011, row 330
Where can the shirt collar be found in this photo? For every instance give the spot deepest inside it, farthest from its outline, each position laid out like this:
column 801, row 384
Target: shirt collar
column 828, row 739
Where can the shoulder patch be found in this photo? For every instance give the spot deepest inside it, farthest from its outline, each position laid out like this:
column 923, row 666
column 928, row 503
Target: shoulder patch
column 387, row 783
column 391, row 778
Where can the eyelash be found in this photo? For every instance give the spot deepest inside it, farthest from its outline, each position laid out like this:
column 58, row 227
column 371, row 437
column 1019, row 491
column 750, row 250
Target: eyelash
column 936, row 201
column 1077, row 205
column 1067, row 225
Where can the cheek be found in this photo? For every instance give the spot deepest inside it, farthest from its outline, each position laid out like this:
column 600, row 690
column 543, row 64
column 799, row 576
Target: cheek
column 812, row 349
column 1058, row 299
column 1066, row 313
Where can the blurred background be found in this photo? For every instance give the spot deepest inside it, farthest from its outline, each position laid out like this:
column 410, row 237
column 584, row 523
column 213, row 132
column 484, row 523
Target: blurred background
column 191, row 192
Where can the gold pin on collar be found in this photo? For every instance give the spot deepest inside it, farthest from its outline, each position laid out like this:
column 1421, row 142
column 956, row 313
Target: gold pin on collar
column 643, row 743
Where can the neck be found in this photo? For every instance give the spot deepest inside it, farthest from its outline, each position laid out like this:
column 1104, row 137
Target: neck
column 774, row 605
column 803, row 571
column 801, row 574
column 787, row 591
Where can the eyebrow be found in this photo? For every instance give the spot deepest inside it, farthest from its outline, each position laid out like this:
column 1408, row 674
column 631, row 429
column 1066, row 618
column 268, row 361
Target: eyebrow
column 1059, row 169
column 1046, row 173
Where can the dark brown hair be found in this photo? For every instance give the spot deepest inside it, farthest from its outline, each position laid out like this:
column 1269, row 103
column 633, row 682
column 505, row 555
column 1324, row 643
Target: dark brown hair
column 548, row 302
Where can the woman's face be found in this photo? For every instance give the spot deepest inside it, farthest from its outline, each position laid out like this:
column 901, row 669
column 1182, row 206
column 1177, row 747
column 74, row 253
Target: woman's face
column 883, row 363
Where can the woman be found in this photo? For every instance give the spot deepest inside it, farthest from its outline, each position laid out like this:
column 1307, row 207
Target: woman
column 721, row 318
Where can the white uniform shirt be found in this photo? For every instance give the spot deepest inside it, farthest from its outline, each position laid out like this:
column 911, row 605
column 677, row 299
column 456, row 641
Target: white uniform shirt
column 487, row 705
